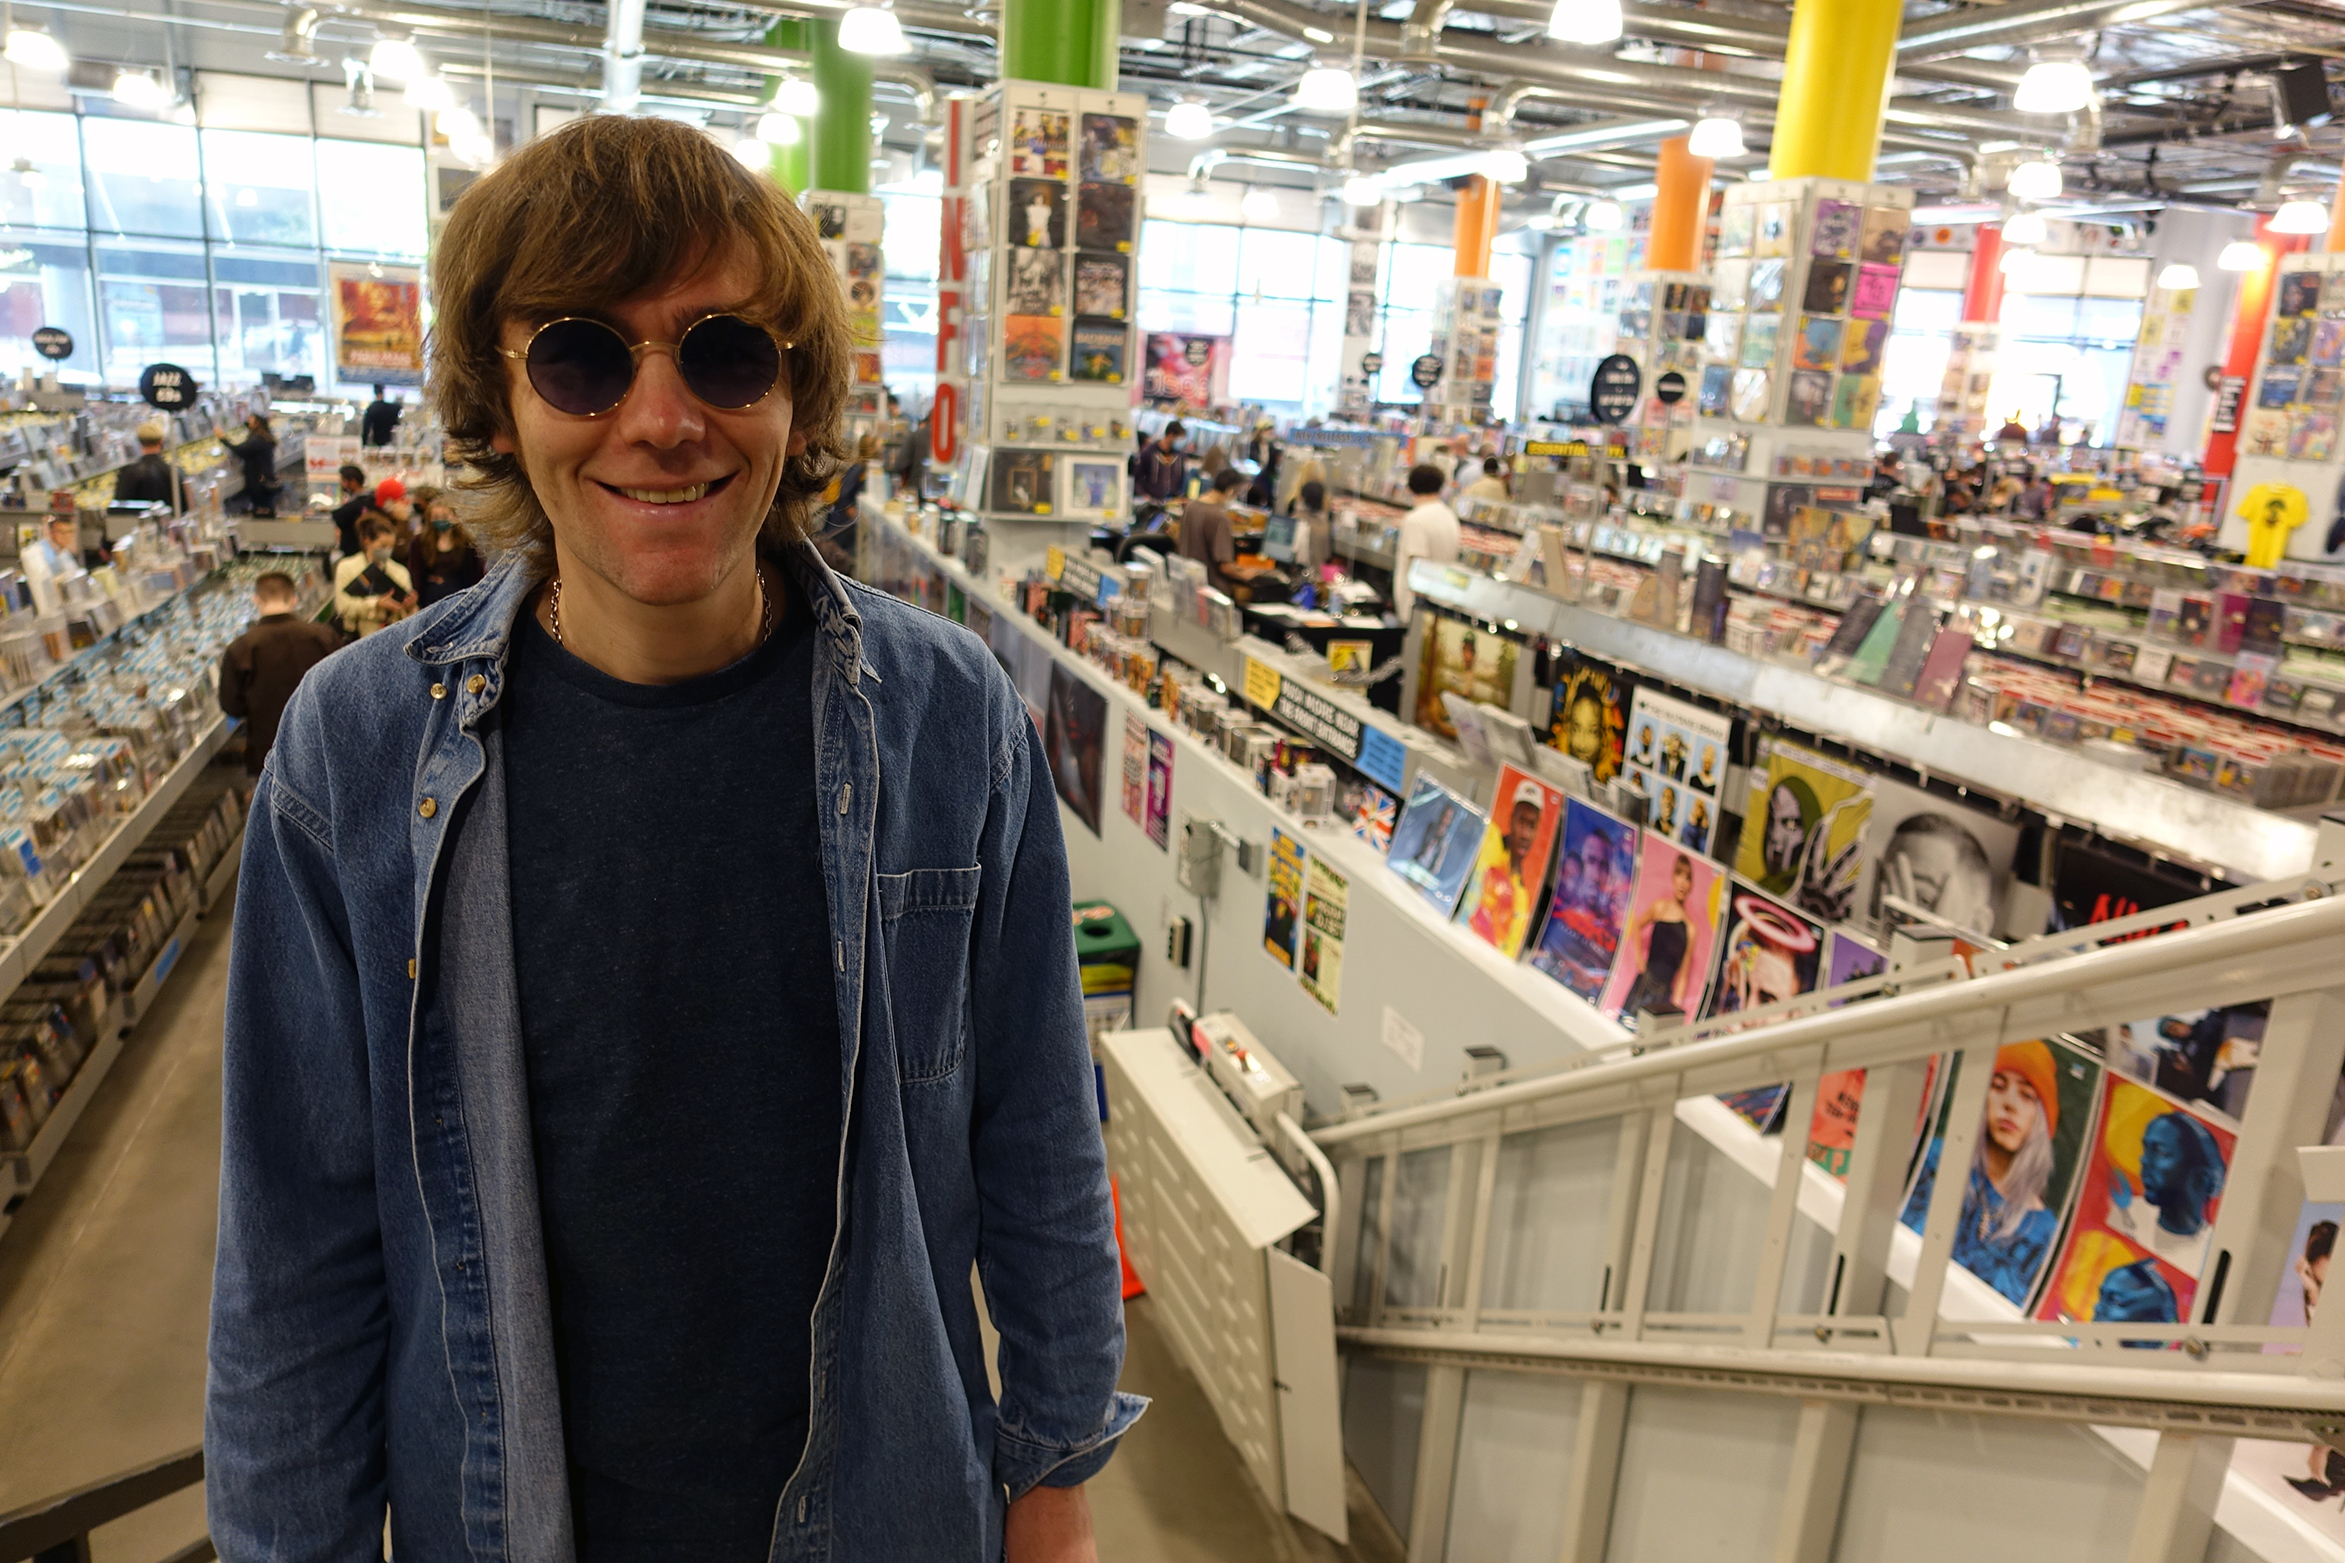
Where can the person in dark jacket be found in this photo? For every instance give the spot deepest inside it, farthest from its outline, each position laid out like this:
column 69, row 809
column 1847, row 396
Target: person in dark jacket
column 1162, row 472
column 151, row 479
column 442, row 560
column 356, row 501
column 260, row 668
column 258, row 451
column 380, row 420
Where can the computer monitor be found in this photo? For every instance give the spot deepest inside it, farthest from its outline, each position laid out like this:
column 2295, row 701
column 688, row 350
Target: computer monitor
column 1278, row 539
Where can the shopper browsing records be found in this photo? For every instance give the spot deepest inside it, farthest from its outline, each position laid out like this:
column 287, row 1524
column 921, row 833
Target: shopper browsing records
column 393, row 500
column 1314, row 528
column 653, row 989
column 371, row 588
column 151, row 479
column 380, row 420
column 1427, row 532
column 1490, row 485
column 58, row 549
column 261, row 667
column 442, row 560
column 356, row 502
column 257, row 451
column 1162, row 472
column 1207, row 531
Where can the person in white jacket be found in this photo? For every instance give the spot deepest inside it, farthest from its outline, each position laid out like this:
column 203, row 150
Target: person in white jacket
column 1427, row 532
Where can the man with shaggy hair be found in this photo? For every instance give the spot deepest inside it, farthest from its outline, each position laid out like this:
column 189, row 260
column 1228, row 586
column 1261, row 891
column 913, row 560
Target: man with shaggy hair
column 653, row 988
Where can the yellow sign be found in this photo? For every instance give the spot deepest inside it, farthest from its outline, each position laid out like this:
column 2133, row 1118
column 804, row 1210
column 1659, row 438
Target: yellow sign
column 1054, row 563
column 1349, row 656
column 1262, row 684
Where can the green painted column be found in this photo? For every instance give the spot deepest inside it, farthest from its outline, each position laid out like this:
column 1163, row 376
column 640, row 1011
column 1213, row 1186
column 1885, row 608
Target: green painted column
column 842, row 127
column 1107, row 29
column 1051, row 40
column 791, row 167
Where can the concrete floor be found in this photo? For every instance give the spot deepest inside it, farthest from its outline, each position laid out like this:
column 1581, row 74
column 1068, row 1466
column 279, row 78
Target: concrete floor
column 106, row 1273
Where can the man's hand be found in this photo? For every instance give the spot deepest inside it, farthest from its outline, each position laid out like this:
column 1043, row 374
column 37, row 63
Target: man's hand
column 1050, row 1525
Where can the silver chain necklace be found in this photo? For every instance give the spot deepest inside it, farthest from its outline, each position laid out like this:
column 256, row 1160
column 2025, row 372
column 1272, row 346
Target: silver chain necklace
column 765, row 611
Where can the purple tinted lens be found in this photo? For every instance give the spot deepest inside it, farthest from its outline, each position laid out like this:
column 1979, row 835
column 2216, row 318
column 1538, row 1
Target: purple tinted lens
column 729, row 362
column 581, row 367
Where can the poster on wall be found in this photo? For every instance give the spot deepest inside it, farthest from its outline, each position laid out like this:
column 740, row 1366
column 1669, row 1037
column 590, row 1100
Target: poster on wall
column 1282, row 911
column 1326, row 899
column 378, row 323
column 1074, row 732
column 1135, row 766
column 1160, row 767
column 1185, row 368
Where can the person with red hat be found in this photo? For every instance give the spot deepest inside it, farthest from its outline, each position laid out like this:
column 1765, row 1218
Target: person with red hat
column 391, row 499
column 2007, row 1224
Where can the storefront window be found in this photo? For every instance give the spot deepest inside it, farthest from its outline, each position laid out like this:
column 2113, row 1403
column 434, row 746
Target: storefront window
column 144, row 177
column 908, row 296
column 45, row 281
column 152, row 308
column 371, row 199
column 1408, row 280
column 257, row 189
column 266, row 313
column 1276, row 293
column 48, row 195
column 1914, row 366
column 2068, row 357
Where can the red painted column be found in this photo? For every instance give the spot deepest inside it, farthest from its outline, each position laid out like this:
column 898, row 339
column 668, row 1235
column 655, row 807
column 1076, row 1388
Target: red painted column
column 2252, row 309
column 1982, row 297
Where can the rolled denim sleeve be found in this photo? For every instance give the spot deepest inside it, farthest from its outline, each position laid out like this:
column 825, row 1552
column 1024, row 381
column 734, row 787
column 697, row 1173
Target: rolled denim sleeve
column 1046, row 1242
column 294, row 1415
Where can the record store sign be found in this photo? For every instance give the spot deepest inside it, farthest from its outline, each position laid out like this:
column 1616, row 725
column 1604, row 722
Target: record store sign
column 53, row 342
column 1612, row 394
column 167, row 386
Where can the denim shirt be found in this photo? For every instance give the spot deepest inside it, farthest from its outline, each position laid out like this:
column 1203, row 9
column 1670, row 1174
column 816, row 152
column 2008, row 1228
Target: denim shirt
column 381, row 1335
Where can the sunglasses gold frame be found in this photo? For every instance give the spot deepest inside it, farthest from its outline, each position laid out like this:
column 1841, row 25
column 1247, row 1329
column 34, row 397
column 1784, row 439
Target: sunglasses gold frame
column 635, row 352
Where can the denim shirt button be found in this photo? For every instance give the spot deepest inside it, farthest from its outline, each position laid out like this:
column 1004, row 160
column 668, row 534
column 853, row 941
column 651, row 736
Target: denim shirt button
column 439, row 691
column 428, row 807
column 475, row 684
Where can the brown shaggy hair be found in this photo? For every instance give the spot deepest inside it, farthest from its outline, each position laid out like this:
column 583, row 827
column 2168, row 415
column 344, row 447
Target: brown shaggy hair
column 604, row 209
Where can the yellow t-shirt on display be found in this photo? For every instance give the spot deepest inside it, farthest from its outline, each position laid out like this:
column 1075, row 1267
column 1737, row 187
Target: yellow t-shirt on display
column 2271, row 511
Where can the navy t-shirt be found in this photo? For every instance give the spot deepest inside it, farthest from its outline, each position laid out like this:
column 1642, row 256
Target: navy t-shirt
column 680, row 1029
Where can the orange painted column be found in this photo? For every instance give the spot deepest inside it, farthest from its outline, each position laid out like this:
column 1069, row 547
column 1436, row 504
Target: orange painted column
column 2253, row 308
column 1681, row 205
column 1477, row 226
column 2337, row 222
column 1982, row 297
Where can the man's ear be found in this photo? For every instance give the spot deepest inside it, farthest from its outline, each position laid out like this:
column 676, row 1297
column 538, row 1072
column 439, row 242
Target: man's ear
column 502, row 443
column 797, row 445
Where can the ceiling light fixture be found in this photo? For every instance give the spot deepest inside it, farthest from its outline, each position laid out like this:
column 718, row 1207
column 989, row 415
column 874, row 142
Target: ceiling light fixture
column 1258, row 206
column 34, row 50
column 2179, row 276
column 779, row 130
column 2014, row 261
column 1188, row 120
column 2038, row 179
column 2060, row 85
column 457, row 123
column 2025, row 229
column 1603, row 217
column 1363, row 190
column 1715, row 137
column 798, row 96
column 1326, row 89
column 754, row 154
column 1504, row 166
column 1585, row 21
column 2241, row 255
column 140, row 90
column 2300, row 217
column 871, row 29
column 1318, row 35
column 395, row 60
column 430, row 94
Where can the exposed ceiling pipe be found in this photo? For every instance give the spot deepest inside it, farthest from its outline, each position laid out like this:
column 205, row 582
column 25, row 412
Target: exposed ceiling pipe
column 1201, row 166
column 623, row 57
column 1661, row 24
column 688, row 93
column 2017, row 25
column 2273, row 187
column 1420, row 35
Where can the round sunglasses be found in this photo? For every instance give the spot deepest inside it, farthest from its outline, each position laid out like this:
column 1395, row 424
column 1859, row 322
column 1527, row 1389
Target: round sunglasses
column 584, row 367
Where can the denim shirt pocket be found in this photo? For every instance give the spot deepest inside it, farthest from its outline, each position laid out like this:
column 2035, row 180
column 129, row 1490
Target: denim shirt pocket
column 925, row 917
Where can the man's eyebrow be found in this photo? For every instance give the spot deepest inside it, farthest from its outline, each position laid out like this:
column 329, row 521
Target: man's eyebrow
column 685, row 317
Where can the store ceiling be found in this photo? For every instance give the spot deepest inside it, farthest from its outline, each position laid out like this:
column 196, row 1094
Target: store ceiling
column 2189, row 108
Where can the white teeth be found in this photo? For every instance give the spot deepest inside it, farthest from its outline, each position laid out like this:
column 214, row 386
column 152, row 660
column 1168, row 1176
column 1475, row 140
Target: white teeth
column 666, row 496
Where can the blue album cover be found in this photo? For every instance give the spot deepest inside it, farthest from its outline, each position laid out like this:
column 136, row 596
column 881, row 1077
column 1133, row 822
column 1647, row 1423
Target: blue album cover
column 1588, row 912
column 1434, row 845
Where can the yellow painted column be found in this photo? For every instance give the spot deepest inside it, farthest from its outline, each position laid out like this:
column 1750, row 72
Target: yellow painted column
column 1681, row 206
column 1835, row 86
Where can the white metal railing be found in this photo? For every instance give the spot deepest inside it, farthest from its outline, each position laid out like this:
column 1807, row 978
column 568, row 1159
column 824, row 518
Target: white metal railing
column 1836, row 1303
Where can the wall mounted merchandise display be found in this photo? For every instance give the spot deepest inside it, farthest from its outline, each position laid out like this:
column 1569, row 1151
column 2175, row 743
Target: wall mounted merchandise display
column 851, row 228
column 2283, row 497
column 1050, row 197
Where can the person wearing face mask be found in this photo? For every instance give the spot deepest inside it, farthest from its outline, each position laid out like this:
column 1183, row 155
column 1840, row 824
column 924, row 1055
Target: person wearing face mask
column 372, row 589
column 442, row 560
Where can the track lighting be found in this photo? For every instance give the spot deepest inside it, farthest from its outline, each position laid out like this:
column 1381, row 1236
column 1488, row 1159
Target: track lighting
column 1363, row 190
column 1504, row 166
column 140, row 90
column 1603, row 217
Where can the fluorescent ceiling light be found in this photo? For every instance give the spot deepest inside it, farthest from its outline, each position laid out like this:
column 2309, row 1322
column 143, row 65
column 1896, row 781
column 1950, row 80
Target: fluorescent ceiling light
column 2180, row 275
column 2054, row 87
column 2025, row 229
column 395, row 60
column 1362, row 190
column 1318, row 35
column 2241, row 255
column 34, row 50
column 798, row 96
column 139, row 90
column 1504, row 165
column 1603, row 217
column 778, row 130
column 1585, row 21
column 1326, row 89
column 430, row 93
column 1188, row 120
column 871, row 29
column 2300, row 217
column 1258, row 206
column 1716, row 137
column 2035, row 180
column 753, row 153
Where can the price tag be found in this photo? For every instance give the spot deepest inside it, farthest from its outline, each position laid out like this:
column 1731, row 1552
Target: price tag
column 1262, row 684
